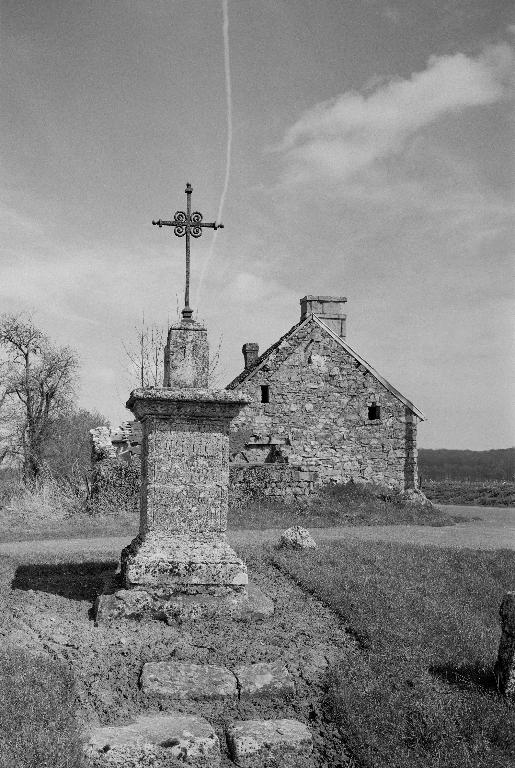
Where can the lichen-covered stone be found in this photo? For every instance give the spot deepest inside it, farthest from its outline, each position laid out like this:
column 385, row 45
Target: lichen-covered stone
column 270, row 744
column 182, row 680
column 297, row 537
column 505, row 665
column 155, row 741
column 264, row 678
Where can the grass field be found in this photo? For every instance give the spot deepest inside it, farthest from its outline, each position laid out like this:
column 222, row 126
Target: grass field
column 421, row 692
column 37, row 718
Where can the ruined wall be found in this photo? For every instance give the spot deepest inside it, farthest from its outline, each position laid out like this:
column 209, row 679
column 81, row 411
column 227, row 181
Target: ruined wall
column 115, row 485
column 115, row 465
column 319, row 400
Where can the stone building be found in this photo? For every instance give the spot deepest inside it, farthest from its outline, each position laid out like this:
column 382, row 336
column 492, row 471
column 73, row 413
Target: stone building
column 319, row 412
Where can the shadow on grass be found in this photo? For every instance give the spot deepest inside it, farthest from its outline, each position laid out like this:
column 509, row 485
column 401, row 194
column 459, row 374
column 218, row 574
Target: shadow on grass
column 466, row 676
column 76, row 581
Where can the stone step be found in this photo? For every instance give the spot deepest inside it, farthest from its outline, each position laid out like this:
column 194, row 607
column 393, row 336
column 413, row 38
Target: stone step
column 183, row 680
column 161, row 741
column 270, row 744
column 264, row 678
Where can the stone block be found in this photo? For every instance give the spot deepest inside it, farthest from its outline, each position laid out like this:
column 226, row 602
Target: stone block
column 124, row 603
column 505, row 664
column 160, row 741
column 186, row 356
column 182, row 680
column 160, row 604
column 270, row 744
column 264, row 678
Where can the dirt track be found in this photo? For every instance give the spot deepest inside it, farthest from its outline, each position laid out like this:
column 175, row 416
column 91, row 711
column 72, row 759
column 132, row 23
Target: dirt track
column 494, row 530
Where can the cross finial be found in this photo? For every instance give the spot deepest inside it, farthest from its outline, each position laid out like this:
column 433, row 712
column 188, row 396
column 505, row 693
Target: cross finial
column 187, row 224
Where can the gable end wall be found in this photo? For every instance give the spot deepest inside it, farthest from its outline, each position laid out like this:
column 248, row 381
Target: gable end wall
column 319, row 398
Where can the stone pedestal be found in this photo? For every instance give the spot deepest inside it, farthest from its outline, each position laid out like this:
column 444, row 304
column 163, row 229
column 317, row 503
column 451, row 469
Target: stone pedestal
column 180, row 563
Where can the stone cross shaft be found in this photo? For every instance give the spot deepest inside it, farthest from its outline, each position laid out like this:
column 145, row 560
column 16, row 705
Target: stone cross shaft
column 187, row 224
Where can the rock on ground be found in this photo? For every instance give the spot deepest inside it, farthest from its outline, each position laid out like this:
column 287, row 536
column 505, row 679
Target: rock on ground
column 297, row 538
column 155, row 741
column 270, row 744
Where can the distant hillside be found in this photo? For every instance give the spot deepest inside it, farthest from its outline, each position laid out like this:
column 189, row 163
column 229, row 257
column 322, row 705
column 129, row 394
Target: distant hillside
column 442, row 464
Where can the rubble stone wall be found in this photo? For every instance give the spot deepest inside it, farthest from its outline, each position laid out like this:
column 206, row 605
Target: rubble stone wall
column 280, row 481
column 319, row 398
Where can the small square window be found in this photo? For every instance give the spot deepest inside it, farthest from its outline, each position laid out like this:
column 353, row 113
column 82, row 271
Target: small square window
column 374, row 412
column 265, row 393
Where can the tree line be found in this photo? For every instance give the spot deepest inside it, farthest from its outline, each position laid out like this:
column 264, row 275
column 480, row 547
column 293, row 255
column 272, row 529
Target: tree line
column 443, row 464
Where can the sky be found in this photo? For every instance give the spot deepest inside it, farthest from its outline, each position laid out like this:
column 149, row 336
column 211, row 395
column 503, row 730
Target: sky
column 371, row 157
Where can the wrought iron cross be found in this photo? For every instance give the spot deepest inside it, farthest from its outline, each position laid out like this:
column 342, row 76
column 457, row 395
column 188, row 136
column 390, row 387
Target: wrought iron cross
column 189, row 224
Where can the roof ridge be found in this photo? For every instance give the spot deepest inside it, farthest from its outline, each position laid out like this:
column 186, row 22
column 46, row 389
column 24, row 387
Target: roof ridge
column 262, row 359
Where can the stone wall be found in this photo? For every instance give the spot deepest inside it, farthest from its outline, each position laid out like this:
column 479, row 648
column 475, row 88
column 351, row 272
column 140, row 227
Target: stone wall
column 279, row 481
column 319, row 400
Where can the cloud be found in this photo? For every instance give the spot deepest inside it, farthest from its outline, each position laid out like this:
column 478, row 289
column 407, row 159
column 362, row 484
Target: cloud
column 348, row 134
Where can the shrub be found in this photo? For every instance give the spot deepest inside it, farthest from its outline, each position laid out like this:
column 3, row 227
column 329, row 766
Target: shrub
column 335, row 505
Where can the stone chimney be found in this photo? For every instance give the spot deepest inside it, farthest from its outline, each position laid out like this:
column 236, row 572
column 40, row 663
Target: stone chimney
column 328, row 308
column 250, row 353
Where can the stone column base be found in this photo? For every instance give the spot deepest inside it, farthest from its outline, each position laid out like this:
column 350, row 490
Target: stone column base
column 180, row 577
column 159, row 604
column 186, row 563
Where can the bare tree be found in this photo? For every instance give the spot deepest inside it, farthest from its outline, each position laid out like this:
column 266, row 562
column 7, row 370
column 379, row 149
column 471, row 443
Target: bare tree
column 145, row 355
column 37, row 386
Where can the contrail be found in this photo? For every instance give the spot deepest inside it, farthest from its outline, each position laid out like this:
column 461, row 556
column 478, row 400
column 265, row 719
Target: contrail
column 228, row 95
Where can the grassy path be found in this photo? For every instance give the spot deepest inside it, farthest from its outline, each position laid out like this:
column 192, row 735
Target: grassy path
column 494, row 530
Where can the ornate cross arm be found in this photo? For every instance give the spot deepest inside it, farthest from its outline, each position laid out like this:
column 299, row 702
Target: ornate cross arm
column 180, row 224
column 187, row 224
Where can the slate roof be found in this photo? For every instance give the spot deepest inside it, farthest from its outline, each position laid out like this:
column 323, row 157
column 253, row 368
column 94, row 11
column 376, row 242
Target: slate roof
column 248, row 373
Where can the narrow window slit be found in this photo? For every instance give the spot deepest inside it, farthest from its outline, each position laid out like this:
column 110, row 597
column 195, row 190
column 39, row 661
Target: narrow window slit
column 374, row 412
column 265, row 393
